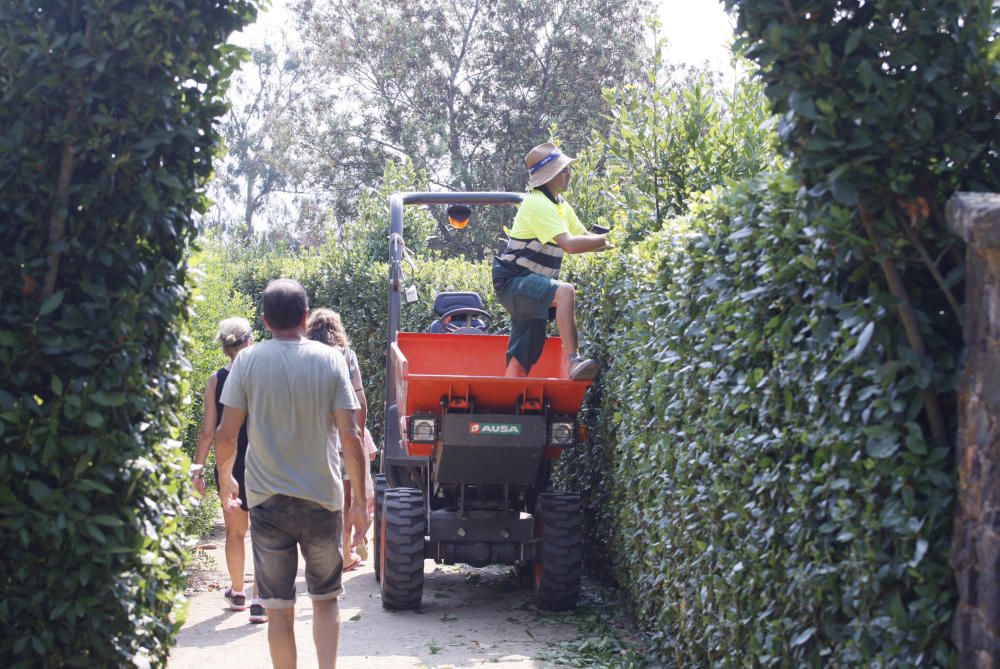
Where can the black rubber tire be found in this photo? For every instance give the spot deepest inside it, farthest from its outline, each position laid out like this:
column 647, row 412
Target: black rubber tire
column 380, row 487
column 525, row 574
column 559, row 556
column 402, row 550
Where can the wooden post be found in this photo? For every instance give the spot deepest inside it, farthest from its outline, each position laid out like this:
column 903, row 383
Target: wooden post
column 975, row 552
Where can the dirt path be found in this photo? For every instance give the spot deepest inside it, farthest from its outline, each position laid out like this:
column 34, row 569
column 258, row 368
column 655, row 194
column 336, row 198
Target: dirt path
column 469, row 618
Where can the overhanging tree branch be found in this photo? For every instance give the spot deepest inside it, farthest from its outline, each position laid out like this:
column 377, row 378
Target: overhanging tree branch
column 909, row 228
column 60, row 204
column 932, row 404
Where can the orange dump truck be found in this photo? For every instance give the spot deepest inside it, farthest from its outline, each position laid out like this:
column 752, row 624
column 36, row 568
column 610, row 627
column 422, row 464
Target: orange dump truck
column 468, row 454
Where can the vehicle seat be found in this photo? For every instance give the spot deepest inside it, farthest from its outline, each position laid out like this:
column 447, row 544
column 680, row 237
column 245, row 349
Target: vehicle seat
column 445, row 302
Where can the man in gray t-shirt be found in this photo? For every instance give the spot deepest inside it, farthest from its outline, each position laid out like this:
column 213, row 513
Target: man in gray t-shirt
column 294, row 392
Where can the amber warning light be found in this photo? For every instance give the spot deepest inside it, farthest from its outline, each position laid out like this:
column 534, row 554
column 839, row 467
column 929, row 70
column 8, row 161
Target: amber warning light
column 458, row 216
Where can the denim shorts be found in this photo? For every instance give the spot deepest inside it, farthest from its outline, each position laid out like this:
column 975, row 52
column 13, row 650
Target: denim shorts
column 282, row 525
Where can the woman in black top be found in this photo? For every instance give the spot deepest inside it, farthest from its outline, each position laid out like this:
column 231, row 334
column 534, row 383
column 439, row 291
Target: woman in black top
column 234, row 335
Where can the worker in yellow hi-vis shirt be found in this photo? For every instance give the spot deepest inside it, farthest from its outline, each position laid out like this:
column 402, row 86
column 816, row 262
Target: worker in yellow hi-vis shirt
column 526, row 274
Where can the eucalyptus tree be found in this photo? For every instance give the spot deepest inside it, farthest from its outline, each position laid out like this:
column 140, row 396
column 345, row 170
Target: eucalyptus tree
column 462, row 89
column 260, row 136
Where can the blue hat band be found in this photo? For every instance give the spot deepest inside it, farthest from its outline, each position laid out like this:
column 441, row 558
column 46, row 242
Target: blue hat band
column 543, row 162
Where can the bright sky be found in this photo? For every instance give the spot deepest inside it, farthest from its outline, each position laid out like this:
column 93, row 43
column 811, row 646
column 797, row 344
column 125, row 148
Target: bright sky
column 696, row 30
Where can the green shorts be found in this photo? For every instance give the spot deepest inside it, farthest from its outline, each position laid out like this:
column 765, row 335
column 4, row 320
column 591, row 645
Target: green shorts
column 527, row 299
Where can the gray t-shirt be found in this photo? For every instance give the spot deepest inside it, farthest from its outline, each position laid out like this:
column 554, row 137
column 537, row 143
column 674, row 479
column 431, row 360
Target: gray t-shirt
column 289, row 390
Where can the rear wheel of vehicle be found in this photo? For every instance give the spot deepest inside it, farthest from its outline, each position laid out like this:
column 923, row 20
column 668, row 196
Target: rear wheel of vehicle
column 380, row 488
column 558, row 561
column 402, row 548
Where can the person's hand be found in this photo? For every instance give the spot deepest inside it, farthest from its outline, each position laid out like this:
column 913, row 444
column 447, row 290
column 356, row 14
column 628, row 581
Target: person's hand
column 607, row 245
column 199, row 483
column 356, row 520
column 229, row 491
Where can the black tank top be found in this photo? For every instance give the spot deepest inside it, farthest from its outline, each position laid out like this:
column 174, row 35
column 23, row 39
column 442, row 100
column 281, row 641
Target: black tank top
column 242, row 440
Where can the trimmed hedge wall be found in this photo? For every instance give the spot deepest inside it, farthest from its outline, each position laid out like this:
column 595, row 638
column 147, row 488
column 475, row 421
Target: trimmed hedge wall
column 766, row 473
column 760, row 477
column 106, row 142
column 214, row 299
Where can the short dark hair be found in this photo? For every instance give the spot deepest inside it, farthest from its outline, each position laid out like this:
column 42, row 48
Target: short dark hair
column 284, row 302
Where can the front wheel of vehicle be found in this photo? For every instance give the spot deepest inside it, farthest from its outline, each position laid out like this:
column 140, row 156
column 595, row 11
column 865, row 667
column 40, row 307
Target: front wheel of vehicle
column 402, row 548
column 558, row 564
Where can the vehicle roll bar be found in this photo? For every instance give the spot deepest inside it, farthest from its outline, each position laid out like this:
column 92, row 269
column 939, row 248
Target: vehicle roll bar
column 397, row 203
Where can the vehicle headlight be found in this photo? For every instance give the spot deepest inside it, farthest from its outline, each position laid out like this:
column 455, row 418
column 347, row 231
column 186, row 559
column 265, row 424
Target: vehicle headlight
column 561, row 433
column 423, row 429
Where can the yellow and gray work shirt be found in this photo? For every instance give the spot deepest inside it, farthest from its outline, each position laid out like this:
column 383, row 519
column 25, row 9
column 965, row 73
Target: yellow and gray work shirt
column 531, row 247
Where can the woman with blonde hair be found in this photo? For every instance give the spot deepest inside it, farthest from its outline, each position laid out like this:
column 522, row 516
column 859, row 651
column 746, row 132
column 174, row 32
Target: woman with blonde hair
column 234, row 335
column 326, row 326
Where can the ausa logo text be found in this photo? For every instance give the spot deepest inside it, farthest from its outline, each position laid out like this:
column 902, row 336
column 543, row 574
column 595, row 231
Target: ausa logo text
column 494, row 428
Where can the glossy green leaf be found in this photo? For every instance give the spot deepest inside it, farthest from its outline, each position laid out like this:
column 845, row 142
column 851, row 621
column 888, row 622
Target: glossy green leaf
column 863, row 340
column 51, row 303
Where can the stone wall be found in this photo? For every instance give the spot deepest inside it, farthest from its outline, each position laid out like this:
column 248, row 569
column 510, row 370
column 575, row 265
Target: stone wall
column 976, row 547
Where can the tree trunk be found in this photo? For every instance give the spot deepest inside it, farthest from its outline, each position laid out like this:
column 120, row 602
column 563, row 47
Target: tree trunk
column 975, row 550
column 932, row 405
column 251, row 203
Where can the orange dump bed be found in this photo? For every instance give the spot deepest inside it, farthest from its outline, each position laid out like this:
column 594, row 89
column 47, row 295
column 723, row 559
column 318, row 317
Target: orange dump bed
column 460, row 367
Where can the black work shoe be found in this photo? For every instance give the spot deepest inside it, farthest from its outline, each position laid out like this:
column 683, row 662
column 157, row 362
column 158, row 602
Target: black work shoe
column 582, row 369
column 236, row 602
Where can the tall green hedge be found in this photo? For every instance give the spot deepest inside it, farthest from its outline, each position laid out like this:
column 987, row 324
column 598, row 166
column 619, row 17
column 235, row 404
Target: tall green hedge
column 214, row 299
column 758, row 474
column 881, row 100
column 106, row 139
column 772, row 463
column 887, row 108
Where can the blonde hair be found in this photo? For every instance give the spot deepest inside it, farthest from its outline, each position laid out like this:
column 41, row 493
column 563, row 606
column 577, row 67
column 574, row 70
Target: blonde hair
column 233, row 332
column 325, row 326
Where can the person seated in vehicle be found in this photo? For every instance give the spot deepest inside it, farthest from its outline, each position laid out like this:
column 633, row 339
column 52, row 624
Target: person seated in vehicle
column 526, row 274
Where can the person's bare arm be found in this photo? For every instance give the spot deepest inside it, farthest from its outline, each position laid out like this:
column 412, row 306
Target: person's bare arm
column 355, row 461
column 359, row 392
column 206, row 435
column 362, row 413
column 362, row 417
column 225, row 455
column 582, row 243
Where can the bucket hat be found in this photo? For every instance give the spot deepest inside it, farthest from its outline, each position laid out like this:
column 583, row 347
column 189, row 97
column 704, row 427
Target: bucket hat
column 544, row 162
